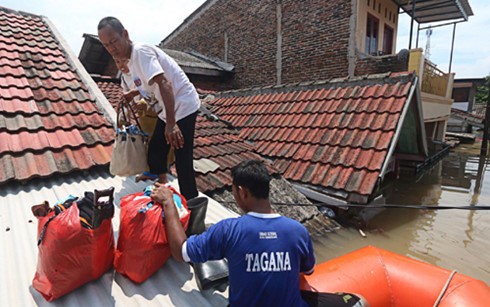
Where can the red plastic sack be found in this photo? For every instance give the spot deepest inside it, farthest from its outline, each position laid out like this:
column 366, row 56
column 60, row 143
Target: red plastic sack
column 71, row 255
column 142, row 246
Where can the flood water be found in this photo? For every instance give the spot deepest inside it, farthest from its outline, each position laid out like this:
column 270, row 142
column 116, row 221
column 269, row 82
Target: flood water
column 452, row 239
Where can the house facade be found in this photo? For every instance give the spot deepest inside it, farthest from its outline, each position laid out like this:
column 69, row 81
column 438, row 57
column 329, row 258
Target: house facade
column 283, row 42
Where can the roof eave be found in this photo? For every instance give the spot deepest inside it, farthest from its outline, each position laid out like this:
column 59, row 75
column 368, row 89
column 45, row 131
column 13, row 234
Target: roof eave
column 459, row 9
column 414, row 93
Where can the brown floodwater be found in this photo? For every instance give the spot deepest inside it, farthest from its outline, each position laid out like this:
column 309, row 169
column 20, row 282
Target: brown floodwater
column 452, row 239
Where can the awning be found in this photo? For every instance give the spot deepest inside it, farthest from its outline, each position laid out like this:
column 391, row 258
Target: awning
column 436, row 10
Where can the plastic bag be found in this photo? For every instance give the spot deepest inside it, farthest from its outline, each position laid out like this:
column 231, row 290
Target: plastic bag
column 70, row 252
column 142, row 246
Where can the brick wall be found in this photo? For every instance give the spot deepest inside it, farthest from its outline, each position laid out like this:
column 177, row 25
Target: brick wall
column 314, row 39
column 374, row 65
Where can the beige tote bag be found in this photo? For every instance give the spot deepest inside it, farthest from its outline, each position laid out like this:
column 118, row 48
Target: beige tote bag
column 129, row 155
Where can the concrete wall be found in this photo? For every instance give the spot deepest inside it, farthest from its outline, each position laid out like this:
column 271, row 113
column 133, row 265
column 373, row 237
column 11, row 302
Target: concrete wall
column 385, row 11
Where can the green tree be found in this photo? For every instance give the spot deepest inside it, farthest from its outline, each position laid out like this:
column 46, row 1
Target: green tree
column 482, row 92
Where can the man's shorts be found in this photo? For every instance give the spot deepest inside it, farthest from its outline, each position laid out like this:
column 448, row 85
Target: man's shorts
column 318, row 299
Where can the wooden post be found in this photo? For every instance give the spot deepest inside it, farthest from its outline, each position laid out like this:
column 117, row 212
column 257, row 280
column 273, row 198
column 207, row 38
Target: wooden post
column 484, row 143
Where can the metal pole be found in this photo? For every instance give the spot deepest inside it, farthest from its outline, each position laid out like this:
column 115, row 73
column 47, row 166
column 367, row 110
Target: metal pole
column 411, row 24
column 484, row 142
column 418, row 32
column 452, row 48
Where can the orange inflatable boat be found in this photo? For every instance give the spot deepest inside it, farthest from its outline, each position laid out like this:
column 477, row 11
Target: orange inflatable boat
column 388, row 279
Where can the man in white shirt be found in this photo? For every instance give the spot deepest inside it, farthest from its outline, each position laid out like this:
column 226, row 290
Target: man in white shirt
column 159, row 78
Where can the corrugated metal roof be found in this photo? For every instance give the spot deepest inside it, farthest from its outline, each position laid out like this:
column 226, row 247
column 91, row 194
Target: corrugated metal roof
column 49, row 122
column 173, row 285
column 333, row 135
column 436, row 10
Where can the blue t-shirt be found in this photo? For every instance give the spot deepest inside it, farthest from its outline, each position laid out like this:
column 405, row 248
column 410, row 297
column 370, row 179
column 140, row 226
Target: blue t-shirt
column 265, row 253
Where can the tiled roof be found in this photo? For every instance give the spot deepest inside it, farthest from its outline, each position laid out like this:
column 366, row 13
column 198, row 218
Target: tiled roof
column 334, row 136
column 111, row 90
column 475, row 118
column 214, row 140
column 479, row 112
column 216, row 143
column 49, row 123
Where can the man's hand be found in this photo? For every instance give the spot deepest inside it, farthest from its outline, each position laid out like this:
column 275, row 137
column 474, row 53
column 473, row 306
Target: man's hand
column 162, row 194
column 175, row 232
column 129, row 96
column 174, row 136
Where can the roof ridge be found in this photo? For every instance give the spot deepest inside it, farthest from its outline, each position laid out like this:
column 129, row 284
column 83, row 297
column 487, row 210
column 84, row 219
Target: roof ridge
column 19, row 12
column 364, row 80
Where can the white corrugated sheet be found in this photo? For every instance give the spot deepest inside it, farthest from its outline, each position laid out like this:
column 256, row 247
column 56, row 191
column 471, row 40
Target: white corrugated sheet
column 173, row 285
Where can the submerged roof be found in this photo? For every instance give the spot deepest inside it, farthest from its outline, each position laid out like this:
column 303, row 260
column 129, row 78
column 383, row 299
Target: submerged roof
column 49, row 121
column 335, row 136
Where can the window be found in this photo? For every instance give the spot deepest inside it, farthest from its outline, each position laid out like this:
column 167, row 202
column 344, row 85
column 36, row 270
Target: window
column 388, row 40
column 372, row 35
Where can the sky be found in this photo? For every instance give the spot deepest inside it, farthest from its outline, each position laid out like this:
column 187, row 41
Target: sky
column 152, row 20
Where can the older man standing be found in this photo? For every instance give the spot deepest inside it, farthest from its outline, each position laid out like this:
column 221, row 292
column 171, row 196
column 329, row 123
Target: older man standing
column 160, row 79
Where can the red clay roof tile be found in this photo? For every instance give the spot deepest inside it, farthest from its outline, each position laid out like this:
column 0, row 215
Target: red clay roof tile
column 50, row 123
column 214, row 140
column 334, row 136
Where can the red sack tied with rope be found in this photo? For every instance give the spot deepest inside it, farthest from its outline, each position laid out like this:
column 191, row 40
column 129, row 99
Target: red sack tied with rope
column 75, row 242
column 142, row 246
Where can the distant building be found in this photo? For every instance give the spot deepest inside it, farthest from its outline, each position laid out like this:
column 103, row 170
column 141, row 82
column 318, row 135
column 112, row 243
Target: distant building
column 464, row 93
column 464, row 114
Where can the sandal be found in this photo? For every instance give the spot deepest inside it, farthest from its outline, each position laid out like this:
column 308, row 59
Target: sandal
column 145, row 176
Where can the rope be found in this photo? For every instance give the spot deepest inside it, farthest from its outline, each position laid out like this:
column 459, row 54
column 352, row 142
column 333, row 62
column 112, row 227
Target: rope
column 444, row 288
column 420, row 207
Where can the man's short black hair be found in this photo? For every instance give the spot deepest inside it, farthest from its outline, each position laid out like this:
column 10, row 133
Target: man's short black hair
column 253, row 175
column 112, row 22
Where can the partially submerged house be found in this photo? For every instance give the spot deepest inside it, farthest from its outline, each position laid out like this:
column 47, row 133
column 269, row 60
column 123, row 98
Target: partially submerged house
column 337, row 139
column 465, row 114
column 284, row 42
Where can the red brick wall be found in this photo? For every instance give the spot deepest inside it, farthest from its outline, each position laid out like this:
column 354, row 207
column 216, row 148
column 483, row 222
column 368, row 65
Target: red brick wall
column 314, row 39
column 376, row 65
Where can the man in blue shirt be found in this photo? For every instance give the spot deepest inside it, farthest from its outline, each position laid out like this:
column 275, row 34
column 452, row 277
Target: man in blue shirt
column 265, row 251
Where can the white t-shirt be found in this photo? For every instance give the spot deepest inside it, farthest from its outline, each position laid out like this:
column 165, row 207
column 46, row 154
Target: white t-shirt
column 146, row 62
column 127, row 82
